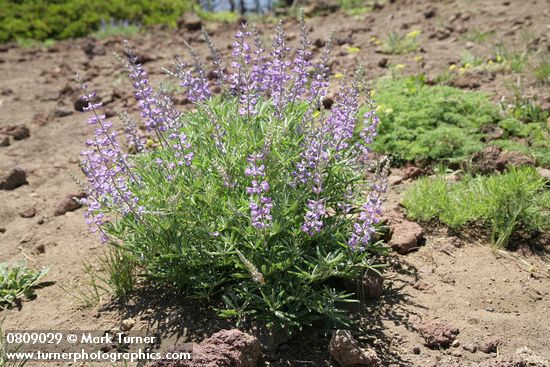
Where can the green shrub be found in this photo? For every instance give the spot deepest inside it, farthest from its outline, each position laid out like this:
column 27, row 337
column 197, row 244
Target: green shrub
column 256, row 197
column 397, row 44
column 16, row 282
column 507, row 203
column 60, row 19
column 425, row 123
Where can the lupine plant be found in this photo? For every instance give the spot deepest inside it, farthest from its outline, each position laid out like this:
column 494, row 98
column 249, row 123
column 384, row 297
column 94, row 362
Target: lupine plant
column 257, row 196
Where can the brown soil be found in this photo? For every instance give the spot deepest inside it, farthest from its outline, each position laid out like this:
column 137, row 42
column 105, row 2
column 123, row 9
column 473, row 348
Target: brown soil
column 484, row 293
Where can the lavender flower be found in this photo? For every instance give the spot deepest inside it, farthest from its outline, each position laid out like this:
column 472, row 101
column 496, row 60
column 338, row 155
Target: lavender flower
column 301, row 63
column 364, row 226
column 260, row 205
column 277, row 70
column 194, row 79
column 241, row 80
column 106, row 169
column 313, row 219
column 135, row 141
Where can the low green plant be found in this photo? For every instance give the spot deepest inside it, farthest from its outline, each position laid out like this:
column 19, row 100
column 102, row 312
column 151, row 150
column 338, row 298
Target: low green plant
column 114, row 28
column 18, row 282
column 478, row 36
column 113, row 276
column 355, row 7
column 509, row 203
column 429, row 123
column 541, row 70
column 397, row 44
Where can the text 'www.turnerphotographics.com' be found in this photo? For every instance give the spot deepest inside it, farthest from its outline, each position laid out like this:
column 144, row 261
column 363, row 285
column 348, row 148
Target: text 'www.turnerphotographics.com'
column 86, row 345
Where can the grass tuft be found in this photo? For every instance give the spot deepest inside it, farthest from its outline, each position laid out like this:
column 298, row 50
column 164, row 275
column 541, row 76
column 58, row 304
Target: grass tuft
column 507, row 204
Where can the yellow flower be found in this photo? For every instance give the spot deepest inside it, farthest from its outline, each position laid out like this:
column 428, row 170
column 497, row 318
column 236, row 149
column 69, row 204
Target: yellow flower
column 372, row 93
column 452, row 67
column 399, row 67
column 419, row 58
column 461, row 70
column 339, row 75
column 467, row 66
column 490, row 62
column 388, row 111
column 413, row 34
column 499, row 58
column 353, row 50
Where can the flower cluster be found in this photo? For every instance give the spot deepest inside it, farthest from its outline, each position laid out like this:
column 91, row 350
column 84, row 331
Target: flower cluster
column 260, row 205
column 106, row 168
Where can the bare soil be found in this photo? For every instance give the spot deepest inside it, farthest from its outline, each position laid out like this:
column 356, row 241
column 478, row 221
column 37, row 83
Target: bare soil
column 484, row 293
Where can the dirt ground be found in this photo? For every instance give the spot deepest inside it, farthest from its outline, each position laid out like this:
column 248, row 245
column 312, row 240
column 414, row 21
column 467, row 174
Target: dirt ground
column 486, row 294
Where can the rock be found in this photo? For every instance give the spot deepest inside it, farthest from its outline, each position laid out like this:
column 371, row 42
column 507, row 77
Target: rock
column 40, row 119
column 12, row 179
column 416, row 349
column 270, row 339
column 472, row 348
column 465, row 81
column 91, row 48
column 190, row 21
column 455, row 344
column 61, row 111
column 492, row 132
column 490, row 346
column 422, row 285
column 18, row 132
column 373, row 285
column 493, row 158
column 28, row 213
column 383, row 62
column 544, row 172
column 515, row 159
column 40, row 249
column 346, row 351
column 2, row 230
column 412, row 172
column 67, row 204
column 6, row 91
column 437, row 333
column 127, row 324
column 4, row 140
column 430, row 13
column 231, row 348
column 405, row 236
column 524, row 357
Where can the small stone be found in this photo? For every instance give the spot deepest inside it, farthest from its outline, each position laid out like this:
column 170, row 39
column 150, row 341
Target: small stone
column 437, row 333
column 490, row 346
column 68, row 204
column 190, row 22
column 19, row 132
column 13, row 179
column 405, row 237
column 28, row 213
column 416, row 350
column 2, row 230
column 61, row 111
column 40, row 221
column 4, row 140
column 40, row 249
column 455, row 344
column 472, row 348
column 346, row 351
column 127, row 324
column 383, row 62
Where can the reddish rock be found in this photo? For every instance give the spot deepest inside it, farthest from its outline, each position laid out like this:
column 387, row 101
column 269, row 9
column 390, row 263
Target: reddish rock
column 19, row 132
column 493, row 158
column 437, row 333
column 68, row 204
column 4, row 140
column 12, row 179
column 412, row 172
column 28, row 213
column 346, row 351
column 490, row 346
column 405, row 236
column 231, row 348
